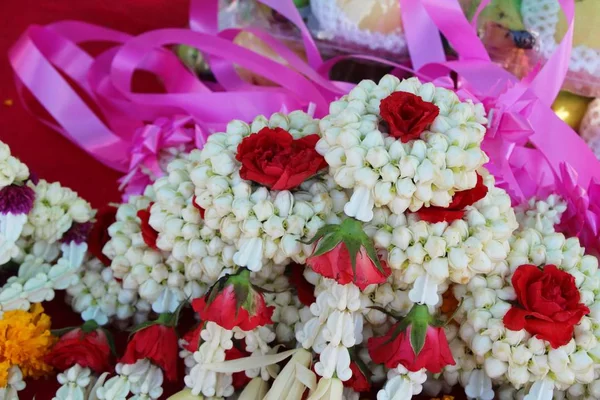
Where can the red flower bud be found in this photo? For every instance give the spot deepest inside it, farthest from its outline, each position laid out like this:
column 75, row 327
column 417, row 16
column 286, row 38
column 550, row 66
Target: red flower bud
column 158, row 343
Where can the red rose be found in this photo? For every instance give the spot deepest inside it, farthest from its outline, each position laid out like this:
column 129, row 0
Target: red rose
column 392, row 351
column 99, row 236
column 273, row 158
column 548, row 304
column 240, row 379
column 89, row 350
column 358, row 382
column 234, row 302
column 197, row 207
column 158, row 343
column 456, row 209
column 304, row 289
column 407, row 115
column 193, row 338
column 336, row 264
column 148, row 233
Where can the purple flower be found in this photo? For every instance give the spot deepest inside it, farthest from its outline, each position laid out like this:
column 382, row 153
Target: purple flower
column 16, row 199
column 78, row 233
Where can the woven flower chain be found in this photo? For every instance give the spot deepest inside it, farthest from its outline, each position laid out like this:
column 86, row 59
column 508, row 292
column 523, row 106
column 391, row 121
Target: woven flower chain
column 324, row 259
column 43, row 233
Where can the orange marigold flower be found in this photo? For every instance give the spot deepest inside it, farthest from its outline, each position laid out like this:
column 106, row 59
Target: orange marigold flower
column 446, row 397
column 25, row 339
column 4, row 367
column 449, row 303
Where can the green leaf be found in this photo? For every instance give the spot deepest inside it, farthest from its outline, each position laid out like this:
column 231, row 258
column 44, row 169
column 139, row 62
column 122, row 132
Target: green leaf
column 324, row 231
column 418, row 332
column 372, row 253
column 90, row 326
column 62, row 331
column 141, row 326
column 403, row 324
column 353, row 245
column 243, row 297
column 327, row 244
column 111, row 341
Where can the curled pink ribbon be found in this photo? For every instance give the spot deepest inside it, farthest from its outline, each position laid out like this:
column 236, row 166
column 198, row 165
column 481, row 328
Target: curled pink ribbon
column 179, row 133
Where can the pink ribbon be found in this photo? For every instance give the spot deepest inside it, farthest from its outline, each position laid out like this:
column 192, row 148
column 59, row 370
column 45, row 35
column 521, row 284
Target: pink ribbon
column 531, row 150
column 145, row 166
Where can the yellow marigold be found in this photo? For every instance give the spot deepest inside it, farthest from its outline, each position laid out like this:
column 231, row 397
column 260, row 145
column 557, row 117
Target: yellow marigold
column 25, row 339
column 4, row 367
column 444, row 398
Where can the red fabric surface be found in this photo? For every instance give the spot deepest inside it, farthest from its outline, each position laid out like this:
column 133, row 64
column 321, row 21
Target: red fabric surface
column 45, row 151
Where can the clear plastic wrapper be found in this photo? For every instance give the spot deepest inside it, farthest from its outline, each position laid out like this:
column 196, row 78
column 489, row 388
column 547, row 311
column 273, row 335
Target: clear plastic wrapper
column 372, row 27
column 546, row 18
column 521, row 34
column 504, row 33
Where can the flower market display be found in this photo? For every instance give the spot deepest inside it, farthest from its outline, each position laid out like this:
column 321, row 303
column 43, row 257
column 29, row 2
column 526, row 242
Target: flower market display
column 425, row 237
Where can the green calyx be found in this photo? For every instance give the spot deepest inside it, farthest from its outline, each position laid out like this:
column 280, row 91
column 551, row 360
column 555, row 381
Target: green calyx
column 167, row 319
column 419, row 320
column 243, row 290
column 89, row 326
column 351, row 233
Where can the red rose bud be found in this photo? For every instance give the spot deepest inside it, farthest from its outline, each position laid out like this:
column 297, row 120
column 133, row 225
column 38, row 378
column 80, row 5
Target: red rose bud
column 414, row 343
column 234, row 302
column 148, row 233
column 548, row 304
column 304, row 289
column 193, row 338
column 407, row 115
column 358, row 382
column 157, row 343
column 90, row 349
column 273, row 158
column 345, row 253
column 197, row 207
column 99, row 236
column 456, row 209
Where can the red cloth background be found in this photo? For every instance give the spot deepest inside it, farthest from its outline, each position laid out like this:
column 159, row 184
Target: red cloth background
column 46, row 152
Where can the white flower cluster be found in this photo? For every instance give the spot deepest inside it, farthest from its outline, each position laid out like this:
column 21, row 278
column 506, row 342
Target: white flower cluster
column 515, row 357
column 15, row 384
column 402, row 384
column 280, row 295
column 78, row 383
column 202, row 255
column 203, row 381
column 46, row 268
column 143, row 379
column 99, row 296
column 12, row 170
column 55, row 209
column 158, row 278
column 336, row 326
column 383, row 171
column 427, row 254
column 33, row 219
column 541, row 214
column 262, row 225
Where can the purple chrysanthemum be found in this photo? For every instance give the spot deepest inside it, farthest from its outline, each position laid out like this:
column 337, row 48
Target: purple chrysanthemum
column 16, row 199
column 78, row 233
